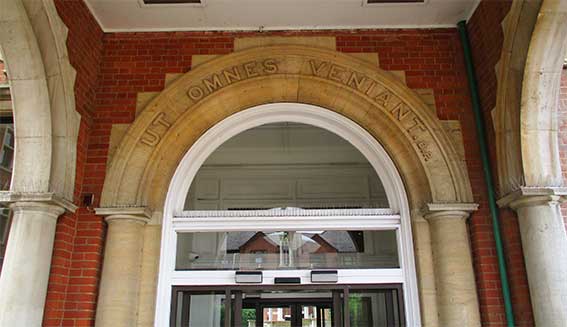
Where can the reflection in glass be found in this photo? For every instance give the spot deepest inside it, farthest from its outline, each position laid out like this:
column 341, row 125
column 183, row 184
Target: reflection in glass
column 287, row 250
column 374, row 308
column 198, row 310
column 277, row 316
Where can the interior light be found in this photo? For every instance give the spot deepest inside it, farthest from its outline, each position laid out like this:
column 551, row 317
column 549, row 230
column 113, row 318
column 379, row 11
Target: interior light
column 248, row 277
column 324, row 276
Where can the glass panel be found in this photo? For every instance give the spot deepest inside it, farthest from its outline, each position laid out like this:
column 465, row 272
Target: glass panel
column 6, row 153
column 248, row 317
column 198, row 310
column 374, row 308
column 326, row 317
column 286, row 165
column 309, row 315
column 4, row 229
column 277, row 316
column 287, row 250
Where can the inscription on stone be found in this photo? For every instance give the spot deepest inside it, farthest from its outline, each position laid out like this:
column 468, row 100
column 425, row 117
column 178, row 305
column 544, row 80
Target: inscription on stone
column 228, row 76
column 384, row 98
column 359, row 82
column 152, row 135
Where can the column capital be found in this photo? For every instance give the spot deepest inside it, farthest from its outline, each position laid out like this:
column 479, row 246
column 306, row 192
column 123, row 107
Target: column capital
column 135, row 214
column 49, row 209
column 449, row 210
column 535, row 200
column 533, row 196
column 46, row 198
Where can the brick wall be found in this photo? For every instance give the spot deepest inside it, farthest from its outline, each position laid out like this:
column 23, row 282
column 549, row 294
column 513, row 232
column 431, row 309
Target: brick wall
column 137, row 62
column 487, row 37
column 113, row 68
column 77, row 253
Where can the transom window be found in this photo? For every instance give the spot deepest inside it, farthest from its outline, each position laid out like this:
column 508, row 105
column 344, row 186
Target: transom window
column 285, row 202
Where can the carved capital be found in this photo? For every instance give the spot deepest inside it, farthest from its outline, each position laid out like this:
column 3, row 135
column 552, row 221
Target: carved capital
column 533, row 196
column 535, row 201
column 45, row 209
column 38, row 198
column 140, row 215
column 437, row 211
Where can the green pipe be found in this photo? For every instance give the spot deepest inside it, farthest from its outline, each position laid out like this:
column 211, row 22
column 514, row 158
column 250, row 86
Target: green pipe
column 486, row 167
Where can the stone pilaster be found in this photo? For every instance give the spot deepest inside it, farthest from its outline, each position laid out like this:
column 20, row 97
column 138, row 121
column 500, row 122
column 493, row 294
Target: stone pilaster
column 25, row 274
column 544, row 242
column 121, row 270
column 457, row 300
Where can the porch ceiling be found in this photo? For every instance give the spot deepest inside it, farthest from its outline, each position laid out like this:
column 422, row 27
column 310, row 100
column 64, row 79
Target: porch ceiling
column 134, row 15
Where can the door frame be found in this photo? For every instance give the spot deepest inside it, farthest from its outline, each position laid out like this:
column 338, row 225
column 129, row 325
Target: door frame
column 345, row 288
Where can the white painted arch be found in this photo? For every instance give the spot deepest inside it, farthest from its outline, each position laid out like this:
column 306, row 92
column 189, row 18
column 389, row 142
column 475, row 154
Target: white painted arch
column 297, row 113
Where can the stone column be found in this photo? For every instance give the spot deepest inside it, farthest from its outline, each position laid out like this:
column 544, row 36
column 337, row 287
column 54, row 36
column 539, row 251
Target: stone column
column 25, row 274
column 454, row 275
column 121, row 270
column 544, row 242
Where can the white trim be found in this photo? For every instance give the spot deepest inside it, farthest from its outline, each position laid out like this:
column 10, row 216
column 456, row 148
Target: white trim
column 287, row 212
column 298, row 113
column 95, row 16
column 394, row 4
column 350, row 276
column 142, row 4
column 228, row 224
column 279, row 28
column 474, row 6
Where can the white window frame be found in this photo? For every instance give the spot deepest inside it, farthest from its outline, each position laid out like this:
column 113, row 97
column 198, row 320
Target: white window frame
column 397, row 217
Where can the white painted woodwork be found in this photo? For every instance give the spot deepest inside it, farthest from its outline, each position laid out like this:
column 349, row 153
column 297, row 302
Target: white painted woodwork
column 133, row 15
column 395, row 217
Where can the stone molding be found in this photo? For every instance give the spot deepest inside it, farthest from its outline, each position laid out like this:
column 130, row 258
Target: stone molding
column 449, row 210
column 540, row 95
column 48, row 209
column 37, row 197
column 47, row 124
column 171, row 123
column 536, row 200
column 136, row 214
column 515, row 199
column 517, row 27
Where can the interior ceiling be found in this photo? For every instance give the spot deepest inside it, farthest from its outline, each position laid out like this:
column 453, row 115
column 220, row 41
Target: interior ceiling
column 134, row 15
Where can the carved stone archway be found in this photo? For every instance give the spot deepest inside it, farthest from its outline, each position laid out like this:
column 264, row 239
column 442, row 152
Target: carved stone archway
column 153, row 146
column 33, row 39
column 143, row 165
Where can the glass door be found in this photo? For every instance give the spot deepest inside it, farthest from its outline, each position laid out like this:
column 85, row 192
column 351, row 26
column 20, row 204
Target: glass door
column 289, row 306
column 285, row 313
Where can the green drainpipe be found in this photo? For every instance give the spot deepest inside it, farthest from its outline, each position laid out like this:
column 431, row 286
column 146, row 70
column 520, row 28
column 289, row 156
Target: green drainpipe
column 480, row 130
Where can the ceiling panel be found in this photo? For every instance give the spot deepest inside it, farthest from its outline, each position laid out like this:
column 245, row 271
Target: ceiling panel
column 136, row 15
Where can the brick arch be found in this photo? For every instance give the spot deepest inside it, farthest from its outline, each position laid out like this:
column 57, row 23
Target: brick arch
column 147, row 157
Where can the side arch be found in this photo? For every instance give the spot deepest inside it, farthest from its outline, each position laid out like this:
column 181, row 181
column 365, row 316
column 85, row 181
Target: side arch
column 540, row 96
column 41, row 80
column 147, row 157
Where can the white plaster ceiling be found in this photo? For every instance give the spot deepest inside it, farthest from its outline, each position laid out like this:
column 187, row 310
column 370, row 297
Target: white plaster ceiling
column 134, row 15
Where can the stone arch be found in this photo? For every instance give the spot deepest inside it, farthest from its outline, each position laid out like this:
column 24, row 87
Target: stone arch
column 517, row 26
column 33, row 40
column 540, row 92
column 148, row 155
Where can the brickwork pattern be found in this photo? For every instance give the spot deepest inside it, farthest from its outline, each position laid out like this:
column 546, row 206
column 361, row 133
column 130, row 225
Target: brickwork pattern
column 79, row 239
column 113, row 68
column 486, row 37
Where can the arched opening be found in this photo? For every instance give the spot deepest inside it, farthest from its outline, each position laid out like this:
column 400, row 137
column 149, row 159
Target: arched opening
column 6, row 152
column 340, row 233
